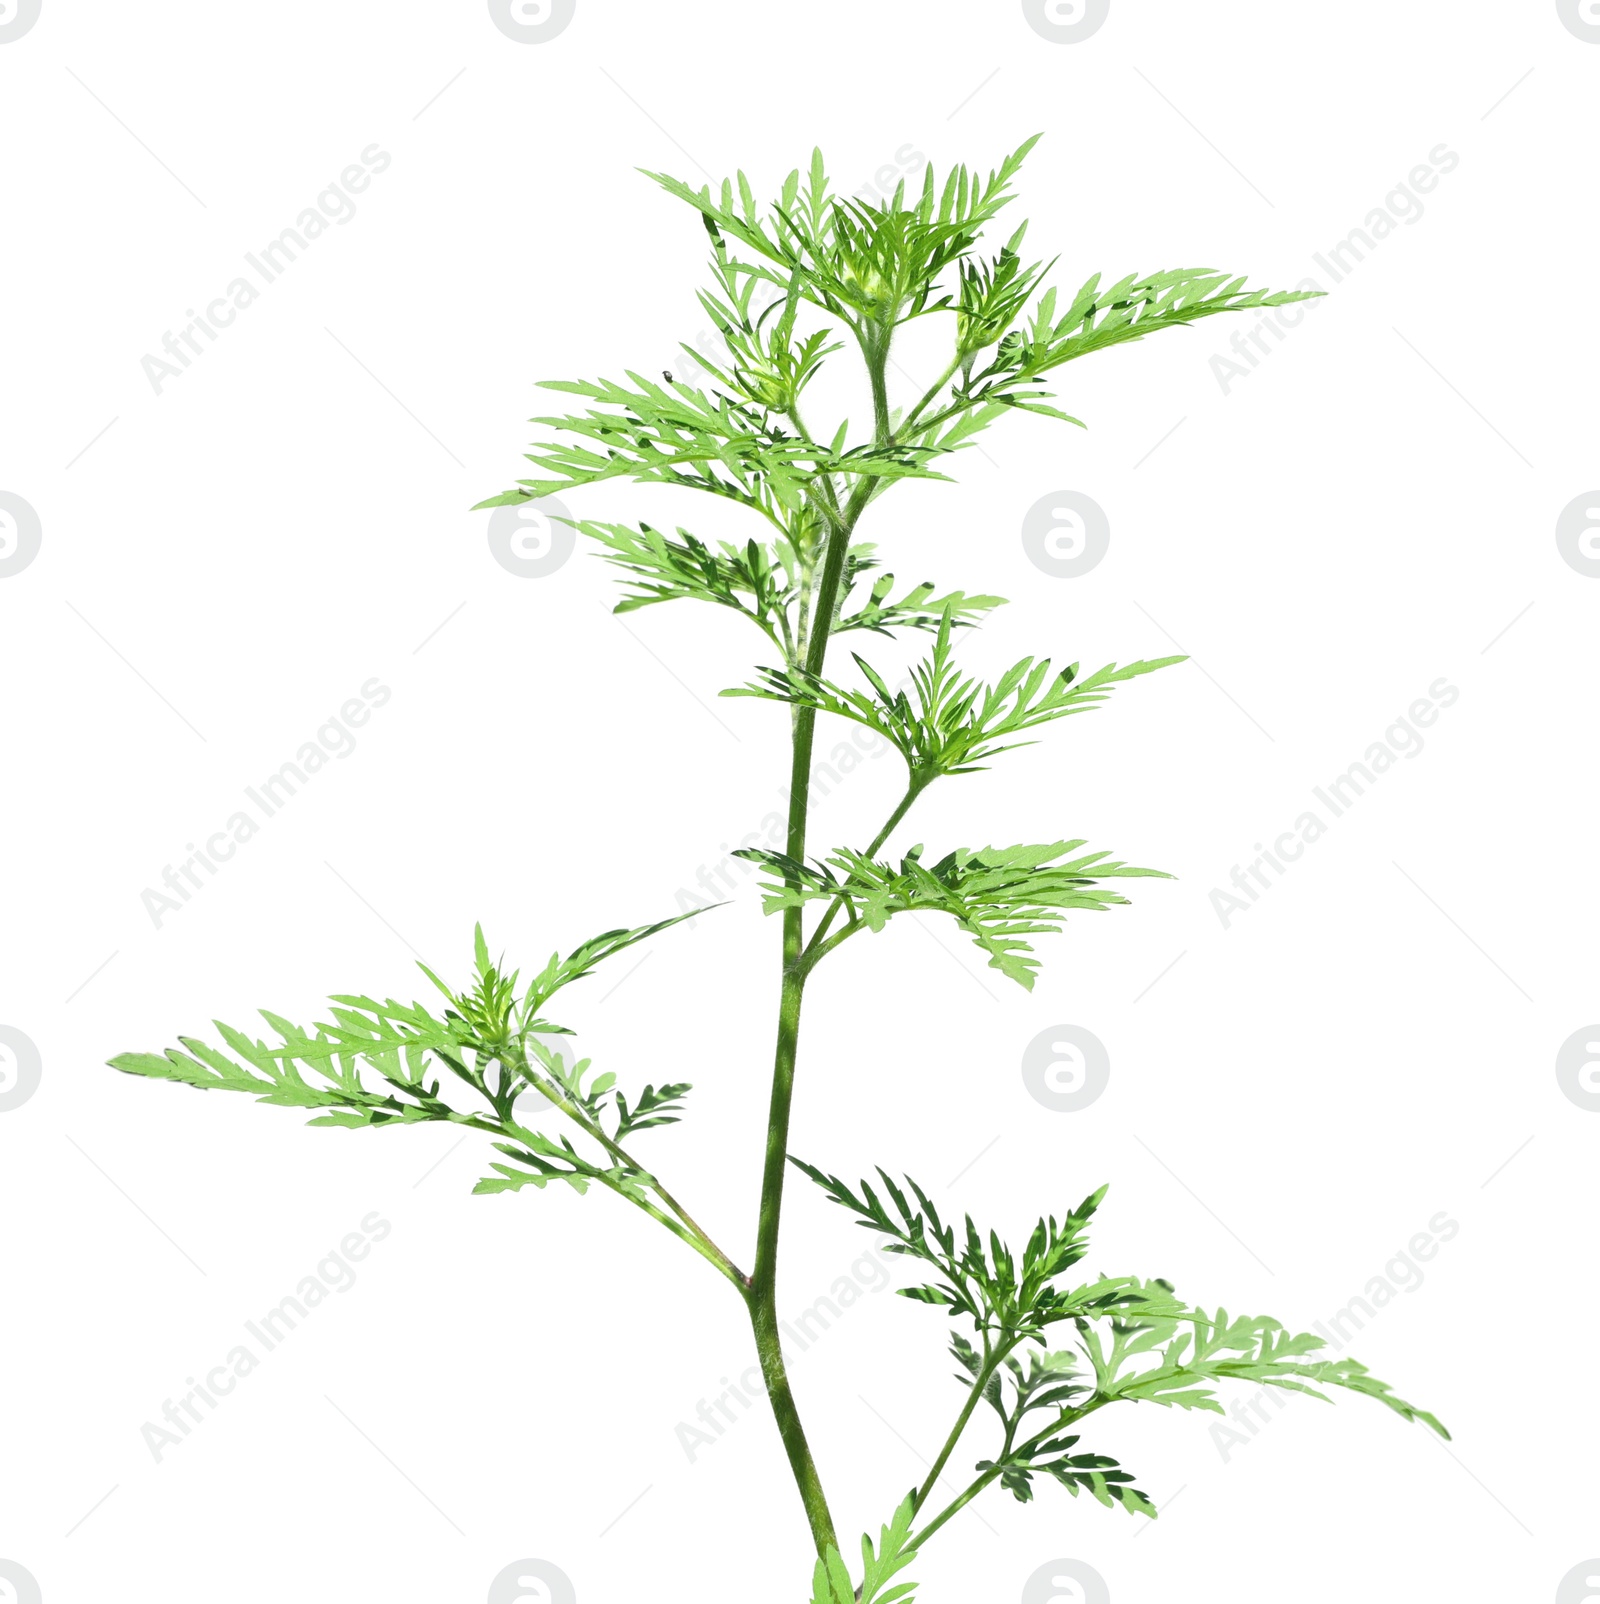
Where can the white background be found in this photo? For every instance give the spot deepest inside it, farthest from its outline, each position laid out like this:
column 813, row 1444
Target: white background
column 1291, row 1100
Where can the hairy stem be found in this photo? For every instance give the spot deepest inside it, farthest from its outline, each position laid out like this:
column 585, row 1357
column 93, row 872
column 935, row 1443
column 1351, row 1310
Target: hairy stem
column 931, row 392
column 877, row 365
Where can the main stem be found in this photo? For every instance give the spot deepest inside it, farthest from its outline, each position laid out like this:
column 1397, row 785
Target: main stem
column 762, row 1298
column 763, row 1295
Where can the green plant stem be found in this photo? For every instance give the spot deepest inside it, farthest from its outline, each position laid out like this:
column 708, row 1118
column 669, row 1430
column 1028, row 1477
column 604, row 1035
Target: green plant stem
column 705, row 1249
column 831, row 510
column 691, row 1232
column 876, row 350
column 933, row 389
column 1066, row 1418
column 815, row 948
column 911, row 432
column 991, row 1364
column 762, row 1297
column 764, row 1280
column 951, row 1510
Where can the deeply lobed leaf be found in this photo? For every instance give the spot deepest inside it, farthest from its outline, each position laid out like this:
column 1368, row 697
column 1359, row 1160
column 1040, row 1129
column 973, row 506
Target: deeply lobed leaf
column 948, row 723
column 999, row 895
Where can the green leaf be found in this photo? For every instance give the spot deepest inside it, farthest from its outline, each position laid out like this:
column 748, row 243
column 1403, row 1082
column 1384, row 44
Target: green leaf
column 1193, row 1351
column 654, row 1107
column 1133, row 308
column 948, row 723
column 831, row 1582
column 999, row 895
column 584, row 959
column 1135, row 1340
column 377, row 1063
column 1099, row 1475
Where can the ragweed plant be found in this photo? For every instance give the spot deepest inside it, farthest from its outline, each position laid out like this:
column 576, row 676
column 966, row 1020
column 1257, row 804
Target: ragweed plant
column 793, row 285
